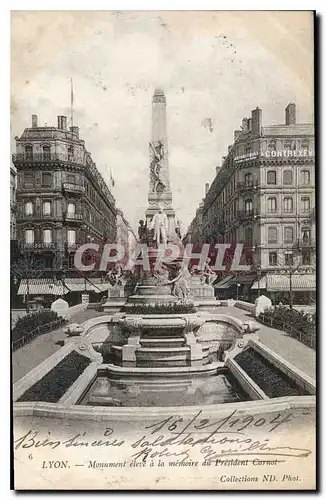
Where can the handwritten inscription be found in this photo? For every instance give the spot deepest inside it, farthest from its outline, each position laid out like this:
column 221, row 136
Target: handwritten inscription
column 175, row 438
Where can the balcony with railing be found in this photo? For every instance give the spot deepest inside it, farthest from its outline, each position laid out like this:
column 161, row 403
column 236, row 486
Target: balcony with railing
column 46, row 157
column 73, row 188
column 247, row 186
column 38, row 246
column 73, row 246
column 242, row 215
column 71, row 216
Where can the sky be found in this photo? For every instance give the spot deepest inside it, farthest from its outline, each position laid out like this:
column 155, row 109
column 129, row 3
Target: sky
column 215, row 67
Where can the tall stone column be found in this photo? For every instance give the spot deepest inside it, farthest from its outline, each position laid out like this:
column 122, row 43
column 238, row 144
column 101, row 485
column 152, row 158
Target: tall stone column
column 159, row 194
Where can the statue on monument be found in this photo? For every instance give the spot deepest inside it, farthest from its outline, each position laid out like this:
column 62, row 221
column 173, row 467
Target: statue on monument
column 142, row 231
column 160, row 225
column 156, row 166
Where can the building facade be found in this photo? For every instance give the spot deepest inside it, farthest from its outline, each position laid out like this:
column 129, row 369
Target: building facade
column 264, row 195
column 125, row 234
column 62, row 199
column 13, row 174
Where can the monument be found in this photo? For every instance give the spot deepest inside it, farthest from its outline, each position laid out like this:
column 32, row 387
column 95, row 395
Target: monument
column 159, row 194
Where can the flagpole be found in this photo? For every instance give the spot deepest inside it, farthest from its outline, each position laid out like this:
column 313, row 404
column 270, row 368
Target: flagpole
column 71, row 104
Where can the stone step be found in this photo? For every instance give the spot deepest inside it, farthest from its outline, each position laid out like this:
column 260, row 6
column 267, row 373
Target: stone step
column 149, row 363
column 162, row 342
column 164, row 333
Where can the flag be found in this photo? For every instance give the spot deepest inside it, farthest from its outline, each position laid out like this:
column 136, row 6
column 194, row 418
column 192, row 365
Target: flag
column 111, row 179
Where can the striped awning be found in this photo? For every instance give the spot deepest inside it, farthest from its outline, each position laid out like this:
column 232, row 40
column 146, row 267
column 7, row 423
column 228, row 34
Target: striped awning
column 88, row 285
column 281, row 282
column 42, row 286
column 241, row 279
column 225, row 283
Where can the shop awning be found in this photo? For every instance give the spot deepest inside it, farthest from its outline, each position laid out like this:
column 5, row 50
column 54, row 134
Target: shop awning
column 281, row 283
column 241, row 279
column 46, row 286
column 42, row 286
column 88, row 285
column 261, row 284
column 224, row 283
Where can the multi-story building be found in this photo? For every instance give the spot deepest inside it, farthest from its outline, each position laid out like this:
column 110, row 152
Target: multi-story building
column 195, row 233
column 13, row 174
column 62, row 199
column 264, row 195
column 125, row 234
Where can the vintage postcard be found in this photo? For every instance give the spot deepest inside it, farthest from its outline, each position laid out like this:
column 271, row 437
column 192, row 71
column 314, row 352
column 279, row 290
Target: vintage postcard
column 163, row 250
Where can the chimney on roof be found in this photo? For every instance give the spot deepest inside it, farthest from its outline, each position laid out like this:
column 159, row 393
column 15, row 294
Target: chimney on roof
column 34, row 121
column 236, row 134
column 217, row 169
column 256, row 117
column 62, row 122
column 75, row 130
column 290, row 114
column 249, row 124
column 206, row 188
column 244, row 124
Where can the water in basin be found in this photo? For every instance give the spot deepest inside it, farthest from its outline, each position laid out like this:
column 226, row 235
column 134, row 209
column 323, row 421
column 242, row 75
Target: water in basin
column 217, row 389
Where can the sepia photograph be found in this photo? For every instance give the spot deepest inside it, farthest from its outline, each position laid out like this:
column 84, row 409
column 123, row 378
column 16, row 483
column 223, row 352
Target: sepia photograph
column 163, row 250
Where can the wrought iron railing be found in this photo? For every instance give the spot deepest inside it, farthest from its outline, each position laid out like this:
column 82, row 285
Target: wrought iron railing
column 74, row 188
column 38, row 246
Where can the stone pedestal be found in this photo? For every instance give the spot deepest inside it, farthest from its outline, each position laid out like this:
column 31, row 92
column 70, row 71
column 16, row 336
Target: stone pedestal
column 116, row 299
column 202, row 293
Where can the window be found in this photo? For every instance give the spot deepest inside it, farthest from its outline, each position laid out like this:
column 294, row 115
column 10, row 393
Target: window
column 305, row 204
column 306, row 258
column 71, row 236
column 248, row 237
column 248, row 179
column 271, row 146
column 305, row 177
column 248, row 207
column 47, row 236
column 70, row 152
column 306, row 236
column 271, row 177
column 46, row 152
column 288, row 235
column 29, row 152
column 248, row 149
column 272, row 257
column 287, row 177
column 290, row 145
column 71, row 208
column 305, row 144
column 71, row 179
column 46, row 179
column 71, row 261
column 271, row 205
column 288, row 205
column 29, row 209
column 46, row 208
column 29, row 236
column 288, row 259
column 28, row 179
column 272, row 235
